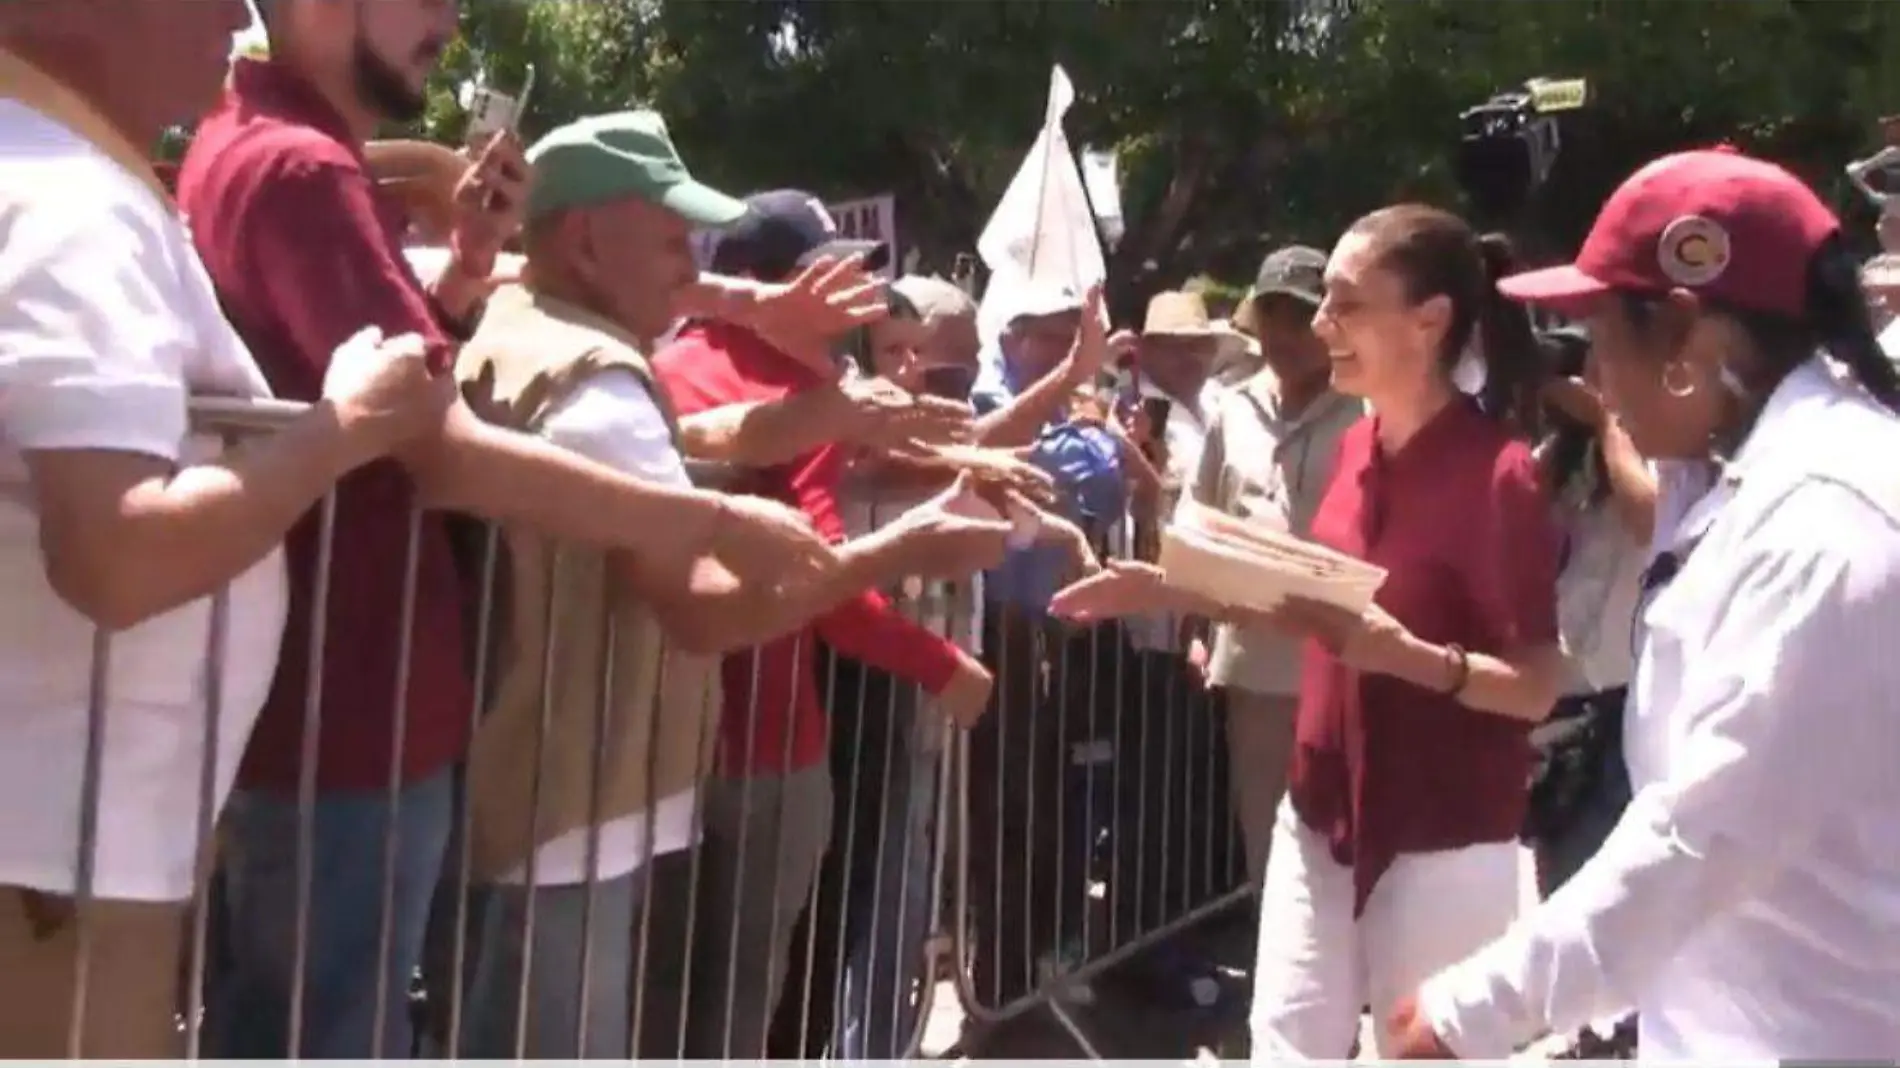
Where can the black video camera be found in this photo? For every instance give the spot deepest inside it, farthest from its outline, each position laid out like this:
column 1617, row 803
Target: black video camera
column 1508, row 144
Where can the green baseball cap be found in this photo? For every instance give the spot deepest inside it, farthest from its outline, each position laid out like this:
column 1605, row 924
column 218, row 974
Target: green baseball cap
column 625, row 154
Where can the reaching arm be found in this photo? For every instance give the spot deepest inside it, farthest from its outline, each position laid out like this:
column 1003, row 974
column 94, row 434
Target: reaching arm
column 703, row 606
column 800, row 317
column 1632, row 481
column 1017, row 421
column 867, row 412
column 127, row 536
column 92, row 358
column 739, row 301
column 1511, row 573
column 767, row 433
column 470, row 465
column 1522, row 684
column 707, row 610
column 1792, row 690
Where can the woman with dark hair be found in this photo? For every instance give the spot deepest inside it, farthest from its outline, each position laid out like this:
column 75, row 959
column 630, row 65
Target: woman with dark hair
column 1744, row 903
column 1396, row 852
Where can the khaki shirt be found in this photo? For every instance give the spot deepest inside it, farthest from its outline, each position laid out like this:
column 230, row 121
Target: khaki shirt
column 1264, row 467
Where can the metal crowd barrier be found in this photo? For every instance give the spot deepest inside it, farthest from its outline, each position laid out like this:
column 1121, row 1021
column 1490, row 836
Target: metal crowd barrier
column 1089, row 817
column 1096, row 823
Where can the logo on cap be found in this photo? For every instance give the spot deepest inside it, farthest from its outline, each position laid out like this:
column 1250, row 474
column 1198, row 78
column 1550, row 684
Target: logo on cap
column 824, row 217
column 1693, row 251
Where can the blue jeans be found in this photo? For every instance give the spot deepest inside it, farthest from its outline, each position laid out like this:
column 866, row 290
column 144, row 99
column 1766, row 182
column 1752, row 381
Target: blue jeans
column 566, row 937
column 250, row 997
column 880, row 996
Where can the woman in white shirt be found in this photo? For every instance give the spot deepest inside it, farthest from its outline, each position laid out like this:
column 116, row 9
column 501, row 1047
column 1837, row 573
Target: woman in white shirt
column 1745, row 902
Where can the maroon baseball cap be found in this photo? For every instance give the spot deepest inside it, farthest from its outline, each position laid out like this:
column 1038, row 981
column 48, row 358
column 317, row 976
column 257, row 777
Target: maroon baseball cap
column 1736, row 230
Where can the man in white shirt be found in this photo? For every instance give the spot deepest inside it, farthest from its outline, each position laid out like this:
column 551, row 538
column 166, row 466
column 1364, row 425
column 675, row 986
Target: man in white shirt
column 124, row 536
column 591, row 829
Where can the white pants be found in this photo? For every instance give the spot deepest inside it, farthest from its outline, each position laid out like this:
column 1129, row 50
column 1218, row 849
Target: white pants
column 1317, row 966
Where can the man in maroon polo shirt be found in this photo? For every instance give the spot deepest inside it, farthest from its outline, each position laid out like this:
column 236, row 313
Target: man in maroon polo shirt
column 304, row 251
column 768, row 810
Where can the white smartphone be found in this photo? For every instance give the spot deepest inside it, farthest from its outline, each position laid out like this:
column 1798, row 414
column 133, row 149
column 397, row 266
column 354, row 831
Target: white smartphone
column 491, row 111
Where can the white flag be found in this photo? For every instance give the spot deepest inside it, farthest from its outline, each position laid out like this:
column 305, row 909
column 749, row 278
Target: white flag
column 1042, row 233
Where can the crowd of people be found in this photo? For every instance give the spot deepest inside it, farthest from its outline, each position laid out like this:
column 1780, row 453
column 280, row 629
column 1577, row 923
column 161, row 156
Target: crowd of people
column 455, row 687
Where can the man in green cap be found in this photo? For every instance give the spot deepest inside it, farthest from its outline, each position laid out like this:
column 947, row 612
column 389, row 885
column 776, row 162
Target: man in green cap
column 582, row 781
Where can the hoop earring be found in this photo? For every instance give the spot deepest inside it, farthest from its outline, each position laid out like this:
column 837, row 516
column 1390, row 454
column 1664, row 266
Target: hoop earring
column 1683, row 385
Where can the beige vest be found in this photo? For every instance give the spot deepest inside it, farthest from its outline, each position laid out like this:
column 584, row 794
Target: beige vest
column 584, row 680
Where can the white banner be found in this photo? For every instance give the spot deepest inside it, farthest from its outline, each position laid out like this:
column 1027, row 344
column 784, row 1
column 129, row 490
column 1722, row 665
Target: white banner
column 870, row 219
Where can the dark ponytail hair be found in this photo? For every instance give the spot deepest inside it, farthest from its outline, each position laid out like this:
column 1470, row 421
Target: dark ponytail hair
column 855, row 344
column 1837, row 320
column 1436, row 253
column 1515, row 365
column 1843, row 324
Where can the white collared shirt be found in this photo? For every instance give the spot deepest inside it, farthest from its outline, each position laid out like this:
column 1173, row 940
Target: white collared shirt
column 1748, row 902
column 107, row 322
column 611, row 419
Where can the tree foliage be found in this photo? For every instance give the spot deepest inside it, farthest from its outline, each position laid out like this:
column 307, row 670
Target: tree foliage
column 1240, row 123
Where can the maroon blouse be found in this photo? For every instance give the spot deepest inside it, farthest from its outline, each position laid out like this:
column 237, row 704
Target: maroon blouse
column 1459, row 519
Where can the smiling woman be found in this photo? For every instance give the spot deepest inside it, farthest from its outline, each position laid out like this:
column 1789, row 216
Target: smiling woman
column 1395, row 854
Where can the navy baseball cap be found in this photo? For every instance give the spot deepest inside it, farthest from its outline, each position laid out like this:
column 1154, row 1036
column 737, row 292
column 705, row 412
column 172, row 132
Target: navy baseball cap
column 783, row 230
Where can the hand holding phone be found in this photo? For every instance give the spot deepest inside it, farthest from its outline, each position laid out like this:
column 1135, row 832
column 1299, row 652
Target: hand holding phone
column 490, row 111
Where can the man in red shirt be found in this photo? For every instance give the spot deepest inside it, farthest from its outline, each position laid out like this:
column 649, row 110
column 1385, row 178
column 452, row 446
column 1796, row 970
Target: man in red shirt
column 768, row 809
column 336, row 834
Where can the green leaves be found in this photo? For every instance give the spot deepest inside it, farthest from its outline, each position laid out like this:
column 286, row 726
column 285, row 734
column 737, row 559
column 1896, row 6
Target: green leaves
column 1242, row 124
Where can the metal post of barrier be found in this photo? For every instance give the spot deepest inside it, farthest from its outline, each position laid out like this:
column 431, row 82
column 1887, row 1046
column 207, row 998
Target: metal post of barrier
column 392, row 843
column 1150, row 868
column 887, row 996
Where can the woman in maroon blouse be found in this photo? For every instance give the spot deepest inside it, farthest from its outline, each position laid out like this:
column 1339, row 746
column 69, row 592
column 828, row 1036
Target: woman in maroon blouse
column 1395, row 853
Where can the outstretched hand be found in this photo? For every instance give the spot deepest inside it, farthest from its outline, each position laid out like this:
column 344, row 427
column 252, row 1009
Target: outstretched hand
column 827, row 298
column 1122, row 588
column 954, row 534
column 884, row 415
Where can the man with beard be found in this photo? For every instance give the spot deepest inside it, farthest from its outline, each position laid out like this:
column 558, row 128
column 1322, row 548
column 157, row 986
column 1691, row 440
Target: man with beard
column 327, row 900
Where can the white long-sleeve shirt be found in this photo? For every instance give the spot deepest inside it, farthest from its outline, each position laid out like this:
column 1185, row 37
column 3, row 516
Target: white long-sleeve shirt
column 1748, row 902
